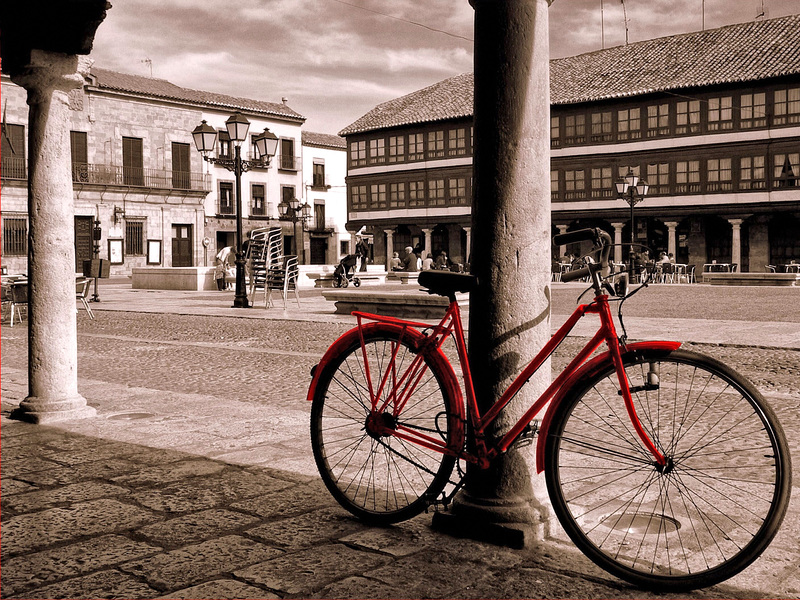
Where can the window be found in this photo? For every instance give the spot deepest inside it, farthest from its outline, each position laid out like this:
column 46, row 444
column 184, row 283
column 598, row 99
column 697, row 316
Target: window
column 132, row 161
column 134, row 238
column 457, row 191
column 13, row 151
column 602, row 186
column 687, row 177
column 377, row 195
column 435, row 144
column 752, row 173
column 658, row 178
column 554, row 185
column 181, row 179
column 223, row 144
column 258, row 206
column 397, row 195
column 687, row 117
column 319, row 215
column 436, row 192
column 457, row 142
column 15, row 236
column 787, row 106
column 575, row 129
column 377, row 151
column 318, row 175
column 288, row 160
column 555, row 132
column 78, row 147
column 574, row 184
column 358, row 197
column 601, row 127
column 629, row 124
column 719, row 175
column 786, row 170
column 344, row 247
column 358, row 153
column 287, row 193
column 397, row 145
column 416, row 193
column 754, row 110
column 416, row 150
column 720, row 113
column 225, row 198
column 658, row 120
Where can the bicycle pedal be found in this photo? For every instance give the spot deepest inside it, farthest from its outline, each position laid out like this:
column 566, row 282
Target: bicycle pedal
column 526, row 437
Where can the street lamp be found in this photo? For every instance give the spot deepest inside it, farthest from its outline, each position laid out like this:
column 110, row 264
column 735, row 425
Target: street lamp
column 266, row 143
column 632, row 190
column 292, row 210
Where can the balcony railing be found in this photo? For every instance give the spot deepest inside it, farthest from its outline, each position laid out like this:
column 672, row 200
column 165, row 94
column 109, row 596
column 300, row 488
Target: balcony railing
column 289, row 162
column 14, row 168
column 139, row 177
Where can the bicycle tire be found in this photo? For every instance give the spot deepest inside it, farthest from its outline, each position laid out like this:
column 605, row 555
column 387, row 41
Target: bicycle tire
column 701, row 519
column 381, row 480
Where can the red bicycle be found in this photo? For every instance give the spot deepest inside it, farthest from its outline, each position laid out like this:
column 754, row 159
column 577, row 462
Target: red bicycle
column 664, row 466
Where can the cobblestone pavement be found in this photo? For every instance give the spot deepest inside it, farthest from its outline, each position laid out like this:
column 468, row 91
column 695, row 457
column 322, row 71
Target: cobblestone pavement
column 196, row 480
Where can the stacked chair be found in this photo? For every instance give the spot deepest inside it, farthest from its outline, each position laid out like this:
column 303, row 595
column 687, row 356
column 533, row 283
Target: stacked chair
column 271, row 270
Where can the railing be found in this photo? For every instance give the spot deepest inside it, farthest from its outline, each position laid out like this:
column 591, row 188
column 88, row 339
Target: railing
column 14, row 168
column 139, row 177
column 289, row 162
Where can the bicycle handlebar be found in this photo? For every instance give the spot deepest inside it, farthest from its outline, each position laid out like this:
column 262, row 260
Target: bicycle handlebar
column 599, row 237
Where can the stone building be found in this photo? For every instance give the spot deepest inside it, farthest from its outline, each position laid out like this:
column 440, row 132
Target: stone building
column 143, row 194
column 711, row 120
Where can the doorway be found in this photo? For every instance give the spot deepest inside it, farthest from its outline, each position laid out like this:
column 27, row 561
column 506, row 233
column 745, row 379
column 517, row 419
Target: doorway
column 182, row 246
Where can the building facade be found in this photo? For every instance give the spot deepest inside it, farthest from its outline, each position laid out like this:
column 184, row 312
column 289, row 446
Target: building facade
column 143, row 194
column 711, row 120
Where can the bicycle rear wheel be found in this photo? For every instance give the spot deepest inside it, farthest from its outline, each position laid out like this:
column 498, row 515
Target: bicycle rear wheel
column 380, row 478
column 706, row 515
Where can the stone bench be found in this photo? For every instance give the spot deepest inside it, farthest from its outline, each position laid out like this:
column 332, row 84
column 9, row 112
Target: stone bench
column 407, row 304
column 785, row 279
column 326, row 281
column 402, row 277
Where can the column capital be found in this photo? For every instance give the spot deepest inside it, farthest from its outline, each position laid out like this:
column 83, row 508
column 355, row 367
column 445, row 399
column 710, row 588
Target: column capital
column 389, row 232
column 671, row 224
column 618, row 225
column 49, row 72
column 736, row 222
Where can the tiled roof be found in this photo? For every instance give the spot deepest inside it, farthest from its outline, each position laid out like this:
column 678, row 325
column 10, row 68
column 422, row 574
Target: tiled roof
column 736, row 53
column 324, row 140
column 448, row 99
column 160, row 88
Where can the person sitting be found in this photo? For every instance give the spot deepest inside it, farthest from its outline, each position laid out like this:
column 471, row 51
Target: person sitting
column 410, row 260
column 396, row 264
column 442, row 261
column 664, row 258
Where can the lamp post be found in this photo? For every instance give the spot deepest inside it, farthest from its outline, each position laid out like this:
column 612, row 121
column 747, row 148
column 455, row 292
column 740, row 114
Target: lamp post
column 266, row 143
column 292, row 210
column 633, row 190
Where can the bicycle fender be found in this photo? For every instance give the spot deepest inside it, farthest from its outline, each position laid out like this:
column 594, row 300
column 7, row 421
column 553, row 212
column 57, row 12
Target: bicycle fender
column 415, row 337
column 588, row 369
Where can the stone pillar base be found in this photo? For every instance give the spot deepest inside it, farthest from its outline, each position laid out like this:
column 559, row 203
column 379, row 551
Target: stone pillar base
column 41, row 411
column 514, row 523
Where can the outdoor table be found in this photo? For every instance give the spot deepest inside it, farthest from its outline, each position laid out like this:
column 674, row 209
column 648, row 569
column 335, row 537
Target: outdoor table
column 680, row 271
column 792, row 268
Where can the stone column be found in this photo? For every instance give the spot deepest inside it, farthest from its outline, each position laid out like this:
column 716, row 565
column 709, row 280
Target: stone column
column 672, row 242
column 389, row 247
column 510, row 310
column 618, row 241
column 428, row 243
column 736, row 242
column 468, row 247
column 52, row 326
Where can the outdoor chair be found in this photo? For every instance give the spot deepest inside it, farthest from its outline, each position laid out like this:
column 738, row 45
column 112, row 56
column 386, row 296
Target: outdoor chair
column 82, row 285
column 282, row 278
column 17, row 295
column 771, row 269
column 667, row 273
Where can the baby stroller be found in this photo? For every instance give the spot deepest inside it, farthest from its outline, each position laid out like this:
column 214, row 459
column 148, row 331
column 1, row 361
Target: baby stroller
column 344, row 272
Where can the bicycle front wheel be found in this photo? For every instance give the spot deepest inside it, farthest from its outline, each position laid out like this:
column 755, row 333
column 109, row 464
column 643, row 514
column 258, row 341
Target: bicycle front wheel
column 374, row 474
column 707, row 514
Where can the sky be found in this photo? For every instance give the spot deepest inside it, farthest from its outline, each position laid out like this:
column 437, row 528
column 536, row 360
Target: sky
column 335, row 60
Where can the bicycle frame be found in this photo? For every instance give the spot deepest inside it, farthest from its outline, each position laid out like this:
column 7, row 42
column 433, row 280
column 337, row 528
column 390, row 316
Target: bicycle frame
column 401, row 385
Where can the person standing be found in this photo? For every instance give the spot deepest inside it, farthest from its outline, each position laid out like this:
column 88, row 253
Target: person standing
column 362, row 252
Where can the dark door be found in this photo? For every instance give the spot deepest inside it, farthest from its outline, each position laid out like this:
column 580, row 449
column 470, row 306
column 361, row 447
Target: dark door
column 132, row 161
column 83, row 241
column 182, row 246
column 319, row 250
column 180, row 166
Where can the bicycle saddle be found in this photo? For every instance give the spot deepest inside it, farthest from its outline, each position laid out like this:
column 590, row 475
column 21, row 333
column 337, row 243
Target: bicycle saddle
column 446, row 283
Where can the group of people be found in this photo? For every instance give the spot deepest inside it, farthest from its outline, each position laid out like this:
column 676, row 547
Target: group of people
column 413, row 261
